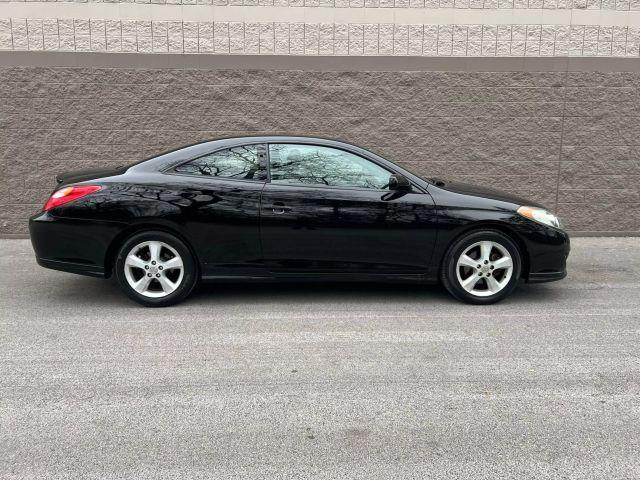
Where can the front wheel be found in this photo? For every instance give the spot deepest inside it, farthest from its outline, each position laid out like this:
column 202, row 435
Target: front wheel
column 156, row 269
column 482, row 267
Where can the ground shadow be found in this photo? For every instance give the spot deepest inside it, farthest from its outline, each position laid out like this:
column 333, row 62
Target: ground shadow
column 300, row 292
column 87, row 291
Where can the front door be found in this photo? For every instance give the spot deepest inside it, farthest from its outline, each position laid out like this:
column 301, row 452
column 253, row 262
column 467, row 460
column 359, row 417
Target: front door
column 326, row 210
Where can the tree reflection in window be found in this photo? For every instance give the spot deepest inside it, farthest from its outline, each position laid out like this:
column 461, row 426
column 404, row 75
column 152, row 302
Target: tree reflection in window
column 237, row 162
column 315, row 165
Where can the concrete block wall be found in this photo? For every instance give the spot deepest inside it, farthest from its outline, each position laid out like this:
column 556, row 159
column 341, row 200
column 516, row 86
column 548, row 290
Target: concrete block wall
column 569, row 139
column 306, row 38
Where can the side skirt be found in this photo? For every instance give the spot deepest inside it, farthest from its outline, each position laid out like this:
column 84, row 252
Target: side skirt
column 324, row 277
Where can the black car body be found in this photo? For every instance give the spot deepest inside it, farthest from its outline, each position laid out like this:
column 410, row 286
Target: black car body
column 257, row 229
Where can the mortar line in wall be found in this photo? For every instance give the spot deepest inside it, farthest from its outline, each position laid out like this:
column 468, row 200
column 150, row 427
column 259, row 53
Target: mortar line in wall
column 564, row 114
column 560, row 153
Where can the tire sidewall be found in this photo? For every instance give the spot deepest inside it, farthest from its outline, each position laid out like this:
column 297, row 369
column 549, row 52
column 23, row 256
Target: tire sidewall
column 450, row 276
column 189, row 279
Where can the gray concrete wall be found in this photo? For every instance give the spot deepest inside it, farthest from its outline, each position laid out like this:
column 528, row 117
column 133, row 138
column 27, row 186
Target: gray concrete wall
column 569, row 139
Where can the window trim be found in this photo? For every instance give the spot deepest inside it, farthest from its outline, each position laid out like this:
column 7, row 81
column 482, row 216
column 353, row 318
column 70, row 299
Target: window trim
column 325, row 187
column 171, row 169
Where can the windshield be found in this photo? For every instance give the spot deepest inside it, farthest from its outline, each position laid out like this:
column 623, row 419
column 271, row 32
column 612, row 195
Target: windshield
column 410, row 170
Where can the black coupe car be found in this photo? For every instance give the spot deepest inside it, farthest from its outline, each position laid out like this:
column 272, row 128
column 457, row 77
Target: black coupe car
column 291, row 208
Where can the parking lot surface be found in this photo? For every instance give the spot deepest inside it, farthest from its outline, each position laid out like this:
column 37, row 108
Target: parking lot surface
column 322, row 381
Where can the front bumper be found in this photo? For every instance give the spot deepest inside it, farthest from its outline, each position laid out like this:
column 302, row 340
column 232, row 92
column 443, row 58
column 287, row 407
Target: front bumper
column 548, row 250
column 546, row 276
column 72, row 245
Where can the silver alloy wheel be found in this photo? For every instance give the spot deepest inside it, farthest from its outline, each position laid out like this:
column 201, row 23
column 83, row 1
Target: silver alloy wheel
column 153, row 269
column 484, row 268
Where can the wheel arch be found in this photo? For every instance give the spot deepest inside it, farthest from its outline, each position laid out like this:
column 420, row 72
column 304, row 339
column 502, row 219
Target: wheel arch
column 501, row 227
column 120, row 238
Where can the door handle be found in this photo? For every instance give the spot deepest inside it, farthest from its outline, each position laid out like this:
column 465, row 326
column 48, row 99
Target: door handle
column 279, row 208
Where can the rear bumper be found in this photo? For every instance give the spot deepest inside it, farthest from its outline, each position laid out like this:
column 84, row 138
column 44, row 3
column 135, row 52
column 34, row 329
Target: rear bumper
column 79, row 268
column 72, row 245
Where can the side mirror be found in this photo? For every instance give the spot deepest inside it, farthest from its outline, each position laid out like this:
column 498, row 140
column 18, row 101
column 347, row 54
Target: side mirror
column 399, row 183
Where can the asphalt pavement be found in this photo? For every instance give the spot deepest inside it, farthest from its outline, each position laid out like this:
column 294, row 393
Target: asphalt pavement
column 322, row 381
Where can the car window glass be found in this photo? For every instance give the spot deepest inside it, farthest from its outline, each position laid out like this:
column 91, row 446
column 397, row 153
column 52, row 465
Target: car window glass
column 324, row 166
column 236, row 162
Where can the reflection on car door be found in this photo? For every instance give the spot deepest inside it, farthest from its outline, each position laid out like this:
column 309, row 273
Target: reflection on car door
column 364, row 229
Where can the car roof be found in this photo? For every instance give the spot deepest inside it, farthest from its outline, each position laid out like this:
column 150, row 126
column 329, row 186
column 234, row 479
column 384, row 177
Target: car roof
column 184, row 153
column 248, row 139
column 164, row 161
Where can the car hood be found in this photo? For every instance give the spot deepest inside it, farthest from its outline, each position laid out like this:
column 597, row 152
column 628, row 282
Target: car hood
column 76, row 176
column 477, row 191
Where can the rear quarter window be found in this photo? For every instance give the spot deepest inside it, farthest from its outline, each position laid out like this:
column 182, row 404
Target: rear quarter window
column 241, row 163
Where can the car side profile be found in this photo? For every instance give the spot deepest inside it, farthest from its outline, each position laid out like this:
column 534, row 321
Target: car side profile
column 291, row 208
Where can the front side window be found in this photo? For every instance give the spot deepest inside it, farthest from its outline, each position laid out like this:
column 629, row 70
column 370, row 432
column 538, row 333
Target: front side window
column 236, row 162
column 324, row 166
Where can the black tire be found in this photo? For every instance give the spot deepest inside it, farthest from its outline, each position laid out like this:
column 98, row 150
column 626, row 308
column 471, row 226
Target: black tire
column 449, row 276
column 188, row 280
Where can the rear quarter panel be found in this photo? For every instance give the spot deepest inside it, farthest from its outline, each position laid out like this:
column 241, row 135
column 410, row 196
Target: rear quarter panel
column 217, row 217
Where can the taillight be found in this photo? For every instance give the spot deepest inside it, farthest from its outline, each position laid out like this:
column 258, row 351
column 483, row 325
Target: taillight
column 69, row 194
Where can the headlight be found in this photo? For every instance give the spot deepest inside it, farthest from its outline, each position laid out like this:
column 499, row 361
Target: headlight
column 540, row 215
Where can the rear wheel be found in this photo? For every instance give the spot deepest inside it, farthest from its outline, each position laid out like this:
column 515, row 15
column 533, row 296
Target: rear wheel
column 156, row 269
column 482, row 267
